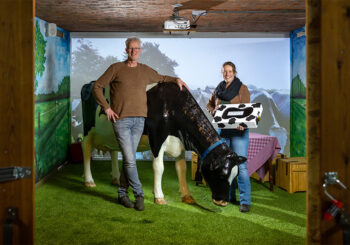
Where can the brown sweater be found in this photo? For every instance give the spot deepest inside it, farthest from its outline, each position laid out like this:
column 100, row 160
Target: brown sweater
column 127, row 88
column 242, row 97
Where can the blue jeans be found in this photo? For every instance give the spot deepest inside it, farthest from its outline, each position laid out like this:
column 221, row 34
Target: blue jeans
column 128, row 132
column 238, row 142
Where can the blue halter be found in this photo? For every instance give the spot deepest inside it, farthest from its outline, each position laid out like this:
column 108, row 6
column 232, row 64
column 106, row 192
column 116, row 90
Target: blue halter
column 211, row 148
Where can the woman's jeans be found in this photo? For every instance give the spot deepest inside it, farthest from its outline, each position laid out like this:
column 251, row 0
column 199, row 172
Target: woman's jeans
column 238, row 142
column 128, row 132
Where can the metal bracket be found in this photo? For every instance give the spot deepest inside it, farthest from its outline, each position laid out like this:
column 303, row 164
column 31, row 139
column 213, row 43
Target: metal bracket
column 331, row 178
column 14, row 173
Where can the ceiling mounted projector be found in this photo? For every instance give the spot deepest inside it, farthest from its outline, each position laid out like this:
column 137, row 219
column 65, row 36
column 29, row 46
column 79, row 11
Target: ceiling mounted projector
column 177, row 23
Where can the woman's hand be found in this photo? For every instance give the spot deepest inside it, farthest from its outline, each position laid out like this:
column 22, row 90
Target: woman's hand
column 239, row 127
column 215, row 109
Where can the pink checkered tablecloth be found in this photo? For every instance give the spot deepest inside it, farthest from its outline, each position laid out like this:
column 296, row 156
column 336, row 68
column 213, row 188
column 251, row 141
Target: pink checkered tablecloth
column 261, row 148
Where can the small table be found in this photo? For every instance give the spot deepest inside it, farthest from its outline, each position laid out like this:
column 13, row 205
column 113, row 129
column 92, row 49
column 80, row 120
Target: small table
column 261, row 151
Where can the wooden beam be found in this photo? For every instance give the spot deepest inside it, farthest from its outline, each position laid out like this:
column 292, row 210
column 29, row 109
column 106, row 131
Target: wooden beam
column 328, row 114
column 17, row 113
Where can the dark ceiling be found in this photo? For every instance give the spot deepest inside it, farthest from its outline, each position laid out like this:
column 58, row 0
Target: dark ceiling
column 149, row 15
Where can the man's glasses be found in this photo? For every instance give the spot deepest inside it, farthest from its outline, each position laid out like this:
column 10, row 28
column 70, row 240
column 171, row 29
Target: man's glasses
column 137, row 49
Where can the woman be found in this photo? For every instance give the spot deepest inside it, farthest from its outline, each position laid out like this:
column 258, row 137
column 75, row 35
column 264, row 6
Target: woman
column 233, row 91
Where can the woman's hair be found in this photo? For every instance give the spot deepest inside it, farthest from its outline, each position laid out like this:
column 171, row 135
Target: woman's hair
column 229, row 63
column 130, row 39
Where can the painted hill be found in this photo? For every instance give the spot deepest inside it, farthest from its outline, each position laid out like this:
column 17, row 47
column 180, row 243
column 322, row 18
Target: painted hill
column 298, row 88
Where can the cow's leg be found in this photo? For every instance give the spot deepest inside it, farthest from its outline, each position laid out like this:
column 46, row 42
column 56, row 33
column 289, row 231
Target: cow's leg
column 158, row 169
column 87, row 147
column 180, row 165
column 174, row 148
column 115, row 168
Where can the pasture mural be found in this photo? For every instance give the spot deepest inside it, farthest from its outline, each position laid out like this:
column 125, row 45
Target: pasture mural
column 298, row 94
column 268, row 83
column 52, row 92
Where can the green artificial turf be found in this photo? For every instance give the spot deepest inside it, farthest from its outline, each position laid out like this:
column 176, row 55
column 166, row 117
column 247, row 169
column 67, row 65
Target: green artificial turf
column 67, row 212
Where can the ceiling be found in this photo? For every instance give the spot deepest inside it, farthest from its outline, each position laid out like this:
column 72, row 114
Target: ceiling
column 149, row 15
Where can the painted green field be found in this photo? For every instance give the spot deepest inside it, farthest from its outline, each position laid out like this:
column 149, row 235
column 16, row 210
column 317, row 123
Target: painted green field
column 298, row 127
column 52, row 122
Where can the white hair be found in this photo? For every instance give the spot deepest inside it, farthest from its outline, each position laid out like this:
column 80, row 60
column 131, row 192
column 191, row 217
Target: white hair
column 130, row 39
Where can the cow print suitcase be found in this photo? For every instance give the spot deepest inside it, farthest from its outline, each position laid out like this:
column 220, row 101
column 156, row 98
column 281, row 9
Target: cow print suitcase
column 231, row 115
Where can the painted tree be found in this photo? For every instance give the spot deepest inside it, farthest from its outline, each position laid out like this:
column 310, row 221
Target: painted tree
column 153, row 57
column 40, row 45
column 87, row 65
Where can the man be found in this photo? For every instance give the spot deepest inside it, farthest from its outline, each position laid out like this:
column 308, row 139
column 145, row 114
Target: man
column 127, row 111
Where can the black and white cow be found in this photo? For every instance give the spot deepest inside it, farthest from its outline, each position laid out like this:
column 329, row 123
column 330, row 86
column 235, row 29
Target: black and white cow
column 172, row 112
column 177, row 113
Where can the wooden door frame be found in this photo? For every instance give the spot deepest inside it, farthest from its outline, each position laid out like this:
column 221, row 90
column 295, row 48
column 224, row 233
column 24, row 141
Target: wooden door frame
column 17, row 112
column 328, row 120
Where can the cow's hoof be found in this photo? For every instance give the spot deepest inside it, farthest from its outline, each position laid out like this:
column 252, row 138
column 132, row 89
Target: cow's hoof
column 160, row 201
column 90, row 184
column 220, row 203
column 188, row 199
column 116, row 182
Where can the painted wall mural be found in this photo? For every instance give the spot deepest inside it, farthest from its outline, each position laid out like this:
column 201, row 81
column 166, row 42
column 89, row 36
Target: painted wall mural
column 52, row 99
column 298, row 94
column 263, row 64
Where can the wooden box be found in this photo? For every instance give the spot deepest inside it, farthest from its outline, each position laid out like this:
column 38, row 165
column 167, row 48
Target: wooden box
column 291, row 174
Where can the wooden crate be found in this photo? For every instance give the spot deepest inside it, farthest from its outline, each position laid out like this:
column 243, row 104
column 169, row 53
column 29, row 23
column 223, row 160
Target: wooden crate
column 291, row 174
column 266, row 178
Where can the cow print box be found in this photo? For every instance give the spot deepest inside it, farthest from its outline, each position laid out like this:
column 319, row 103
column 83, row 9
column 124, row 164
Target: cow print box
column 231, row 115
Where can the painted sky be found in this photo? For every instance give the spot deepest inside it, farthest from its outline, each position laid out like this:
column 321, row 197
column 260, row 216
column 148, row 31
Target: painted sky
column 57, row 64
column 262, row 62
column 299, row 55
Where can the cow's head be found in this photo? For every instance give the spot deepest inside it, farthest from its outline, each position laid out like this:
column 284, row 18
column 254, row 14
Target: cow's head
column 219, row 171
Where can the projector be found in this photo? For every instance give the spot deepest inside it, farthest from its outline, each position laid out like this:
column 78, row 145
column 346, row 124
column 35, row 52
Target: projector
column 178, row 23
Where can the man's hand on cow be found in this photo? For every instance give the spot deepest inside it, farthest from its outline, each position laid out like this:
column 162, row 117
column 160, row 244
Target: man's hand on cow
column 111, row 115
column 181, row 83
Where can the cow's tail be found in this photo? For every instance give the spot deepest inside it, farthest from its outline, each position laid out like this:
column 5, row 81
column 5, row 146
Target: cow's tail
column 89, row 106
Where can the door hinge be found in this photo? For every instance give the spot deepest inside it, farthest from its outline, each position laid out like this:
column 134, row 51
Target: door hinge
column 14, row 173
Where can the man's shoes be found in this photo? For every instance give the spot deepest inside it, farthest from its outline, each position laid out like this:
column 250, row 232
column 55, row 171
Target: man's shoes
column 125, row 201
column 139, row 204
column 244, row 208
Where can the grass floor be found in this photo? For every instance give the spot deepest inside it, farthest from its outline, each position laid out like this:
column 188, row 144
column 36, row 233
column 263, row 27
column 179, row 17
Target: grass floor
column 67, row 212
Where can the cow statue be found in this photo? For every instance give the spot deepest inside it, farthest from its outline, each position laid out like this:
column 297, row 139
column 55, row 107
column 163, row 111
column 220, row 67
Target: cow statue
column 176, row 121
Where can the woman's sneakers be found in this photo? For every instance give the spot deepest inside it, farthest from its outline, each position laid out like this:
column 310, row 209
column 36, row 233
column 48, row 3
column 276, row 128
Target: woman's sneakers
column 244, row 208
